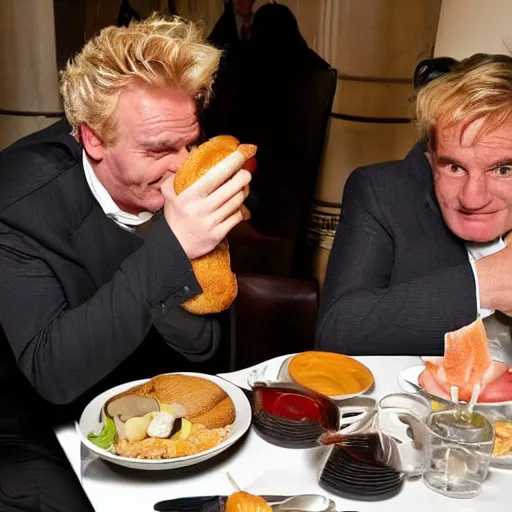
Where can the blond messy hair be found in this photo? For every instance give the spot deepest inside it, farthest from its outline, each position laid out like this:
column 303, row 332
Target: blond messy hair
column 159, row 51
column 477, row 87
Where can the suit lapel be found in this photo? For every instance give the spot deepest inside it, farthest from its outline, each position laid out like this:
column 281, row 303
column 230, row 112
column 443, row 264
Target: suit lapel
column 419, row 168
column 101, row 245
column 98, row 231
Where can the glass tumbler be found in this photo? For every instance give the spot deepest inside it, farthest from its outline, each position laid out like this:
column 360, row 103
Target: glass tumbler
column 402, row 416
column 458, row 450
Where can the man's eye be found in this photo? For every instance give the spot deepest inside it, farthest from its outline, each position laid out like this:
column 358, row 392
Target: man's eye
column 504, row 171
column 160, row 153
column 454, row 168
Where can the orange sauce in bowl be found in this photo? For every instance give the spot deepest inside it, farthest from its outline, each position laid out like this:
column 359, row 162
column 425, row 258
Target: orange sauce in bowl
column 329, row 373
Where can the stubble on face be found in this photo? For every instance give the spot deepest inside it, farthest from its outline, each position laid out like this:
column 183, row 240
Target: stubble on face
column 472, row 174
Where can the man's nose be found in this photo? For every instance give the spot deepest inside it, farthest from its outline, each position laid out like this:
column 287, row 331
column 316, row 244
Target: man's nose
column 181, row 156
column 475, row 193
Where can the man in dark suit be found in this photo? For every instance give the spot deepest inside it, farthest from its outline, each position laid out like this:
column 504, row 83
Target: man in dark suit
column 95, row 246
column 234, row 25
column 420, row 247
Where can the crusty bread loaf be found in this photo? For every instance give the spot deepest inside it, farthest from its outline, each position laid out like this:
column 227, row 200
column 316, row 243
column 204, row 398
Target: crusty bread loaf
column 213, row 270
column 204, row 401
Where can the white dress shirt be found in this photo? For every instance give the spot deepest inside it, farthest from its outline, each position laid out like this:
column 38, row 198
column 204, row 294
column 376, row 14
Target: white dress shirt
column 126, row 220
column 497, row 334
column 475, row 252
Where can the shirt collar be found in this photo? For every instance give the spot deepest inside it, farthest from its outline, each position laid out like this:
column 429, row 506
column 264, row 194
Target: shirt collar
column 106, row 202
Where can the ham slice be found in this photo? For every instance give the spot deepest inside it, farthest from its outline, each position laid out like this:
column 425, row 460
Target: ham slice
column 466, row 362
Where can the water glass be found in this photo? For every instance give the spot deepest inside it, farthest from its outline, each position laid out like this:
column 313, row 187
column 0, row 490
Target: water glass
column 402, row 417
column 458, row 450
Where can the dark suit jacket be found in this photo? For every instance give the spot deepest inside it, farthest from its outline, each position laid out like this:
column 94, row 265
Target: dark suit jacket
column 397, row 278
column 225, row 32
column 79, row 294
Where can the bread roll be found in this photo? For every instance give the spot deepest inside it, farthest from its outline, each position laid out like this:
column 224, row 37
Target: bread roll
column 213, row 270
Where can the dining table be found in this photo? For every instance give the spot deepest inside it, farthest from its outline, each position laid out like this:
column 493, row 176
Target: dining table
column 259, row 467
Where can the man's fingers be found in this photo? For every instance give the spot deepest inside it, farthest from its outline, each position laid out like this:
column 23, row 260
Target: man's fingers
column 230, row 223
column 167, row 187
column 229, row 207
column 229, row 189
column 218, row 174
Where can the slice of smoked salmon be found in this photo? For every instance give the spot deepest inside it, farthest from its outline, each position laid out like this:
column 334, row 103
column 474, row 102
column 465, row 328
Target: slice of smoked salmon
column 466, row 362
column 428, row 380
column 466, row 357
column 481, row 353
column 458, row 356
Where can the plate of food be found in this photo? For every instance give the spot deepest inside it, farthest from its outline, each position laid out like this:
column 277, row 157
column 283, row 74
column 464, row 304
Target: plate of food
column 467, row 362
column 170, row 421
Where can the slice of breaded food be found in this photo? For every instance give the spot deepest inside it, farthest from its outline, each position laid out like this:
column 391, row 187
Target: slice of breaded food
column 204, row 401
column 219, row 416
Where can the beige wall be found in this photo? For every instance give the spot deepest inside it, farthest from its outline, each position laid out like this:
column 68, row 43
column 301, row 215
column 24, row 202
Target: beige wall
column 472, row 26
column 375, row 45
column 29, row 66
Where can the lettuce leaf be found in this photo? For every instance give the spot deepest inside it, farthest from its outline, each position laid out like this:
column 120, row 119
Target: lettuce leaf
column 106, row 438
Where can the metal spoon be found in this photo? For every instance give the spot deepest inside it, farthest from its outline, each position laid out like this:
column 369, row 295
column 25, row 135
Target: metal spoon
column 305, row 503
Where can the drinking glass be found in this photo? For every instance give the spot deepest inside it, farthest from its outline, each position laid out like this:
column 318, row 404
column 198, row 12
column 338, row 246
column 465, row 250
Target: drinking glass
column 458, row 450
column 402, row 416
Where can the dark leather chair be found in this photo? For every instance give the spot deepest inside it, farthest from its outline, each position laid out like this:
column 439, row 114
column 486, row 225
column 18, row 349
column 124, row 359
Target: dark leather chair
column 286, row 116
column 271, row 316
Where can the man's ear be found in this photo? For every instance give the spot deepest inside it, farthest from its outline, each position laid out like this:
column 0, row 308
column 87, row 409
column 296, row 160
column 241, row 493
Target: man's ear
column 93, row 145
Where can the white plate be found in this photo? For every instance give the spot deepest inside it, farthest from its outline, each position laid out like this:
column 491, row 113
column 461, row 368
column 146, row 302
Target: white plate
column 412, row 374
column 495, row 411
column 90, row 421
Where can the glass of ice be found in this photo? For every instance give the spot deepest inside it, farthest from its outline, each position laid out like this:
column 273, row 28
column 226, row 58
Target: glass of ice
column 458, row 449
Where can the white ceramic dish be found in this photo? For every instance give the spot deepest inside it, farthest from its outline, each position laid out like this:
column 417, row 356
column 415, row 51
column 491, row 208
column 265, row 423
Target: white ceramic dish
column 277, row 371
column 90, row 421
column 497, row 411
column 412, row 375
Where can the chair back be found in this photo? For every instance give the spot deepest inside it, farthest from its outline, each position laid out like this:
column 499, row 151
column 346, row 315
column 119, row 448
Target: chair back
column 271, row 316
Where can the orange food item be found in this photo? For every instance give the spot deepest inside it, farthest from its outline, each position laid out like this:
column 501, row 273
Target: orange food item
column 466, row 357
column 205, row 402
column 245, row 502
column 466, row 362
column 329, row 373
column 213, row 270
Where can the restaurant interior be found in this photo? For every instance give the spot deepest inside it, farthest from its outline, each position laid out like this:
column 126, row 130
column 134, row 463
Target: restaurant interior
column 328, row 94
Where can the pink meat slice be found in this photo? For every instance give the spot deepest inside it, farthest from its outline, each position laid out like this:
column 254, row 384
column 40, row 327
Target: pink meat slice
column 498, row 390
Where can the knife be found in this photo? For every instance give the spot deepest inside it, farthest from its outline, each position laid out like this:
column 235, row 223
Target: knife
column 206, row 503
column 427, row 394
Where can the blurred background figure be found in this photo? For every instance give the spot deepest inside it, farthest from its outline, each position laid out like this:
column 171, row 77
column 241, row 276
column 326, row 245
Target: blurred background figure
column 231, row 34
column 276, row 93
column 235, row 24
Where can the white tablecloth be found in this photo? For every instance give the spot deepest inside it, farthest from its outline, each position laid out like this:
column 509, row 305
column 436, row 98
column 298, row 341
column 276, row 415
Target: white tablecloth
column 260, row 467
